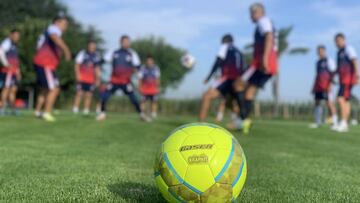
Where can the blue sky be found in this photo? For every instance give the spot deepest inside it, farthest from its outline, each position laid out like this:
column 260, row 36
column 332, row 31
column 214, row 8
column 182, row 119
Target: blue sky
column 198, row 26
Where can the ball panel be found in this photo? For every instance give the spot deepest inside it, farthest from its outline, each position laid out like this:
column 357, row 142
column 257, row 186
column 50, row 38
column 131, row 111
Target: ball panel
column 174, row 141
column 199, row 178
column 184, row 193
column 198, row 129
column 239, row 184
column 221, row 139
column 217, row 193
column 162, row 187
column 177, row 164
column 234, row 167
column 167, row 174
column 219, row 160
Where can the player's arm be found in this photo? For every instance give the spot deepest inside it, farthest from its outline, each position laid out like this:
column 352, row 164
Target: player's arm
column 60, row 43
column 78, row 61
column 5, row 46
column 268, row 47
column 136, row 61
column 97, row 75
column 356, row 66
column 218, row 62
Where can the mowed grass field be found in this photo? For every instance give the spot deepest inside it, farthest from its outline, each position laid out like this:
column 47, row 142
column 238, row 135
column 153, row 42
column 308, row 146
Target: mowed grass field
column 80, row 160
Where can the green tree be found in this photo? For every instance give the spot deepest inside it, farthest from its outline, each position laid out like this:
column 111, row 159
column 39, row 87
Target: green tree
column 166, row 56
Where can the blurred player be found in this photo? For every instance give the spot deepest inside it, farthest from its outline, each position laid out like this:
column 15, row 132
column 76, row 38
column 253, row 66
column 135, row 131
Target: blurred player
column 325, row 70
column 87, row 71
column 10, row 73
column 50, row 47
column 149, row 85
column 348, row 70
column 230, row 60
column 264, row 66
column 125, row 62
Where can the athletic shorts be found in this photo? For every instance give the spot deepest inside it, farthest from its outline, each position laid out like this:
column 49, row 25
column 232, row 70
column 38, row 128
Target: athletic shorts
column 150, row 97
column 8, row 80
column 345, row 91
column 46, row 78
column 86, row 87
column 225, row 87
column 256, row 77
column 321, row 96
column 126, row 88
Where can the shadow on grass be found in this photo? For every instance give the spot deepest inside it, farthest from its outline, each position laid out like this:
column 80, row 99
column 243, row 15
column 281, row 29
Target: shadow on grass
column 136, row 192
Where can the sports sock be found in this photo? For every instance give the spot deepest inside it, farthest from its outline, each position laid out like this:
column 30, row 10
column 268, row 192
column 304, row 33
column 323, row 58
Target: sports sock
column 134, row 101
column 335, row 119
column 318, row 114
column 246, row 109
column 239, row 97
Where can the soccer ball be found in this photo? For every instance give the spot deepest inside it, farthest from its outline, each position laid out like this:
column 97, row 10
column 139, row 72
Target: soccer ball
column 200, row 163
column 188, row 61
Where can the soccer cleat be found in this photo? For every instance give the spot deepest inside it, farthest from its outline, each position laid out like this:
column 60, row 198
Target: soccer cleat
column 343, row 127
column 144, row 117
column 334, row 127
column 314, row 126
column 38, row 114
column 154, row 115
column 101, row 117
column 86, row 112
column 236, row 124
column 48, row 117
column 75, row 110
column 247, row 126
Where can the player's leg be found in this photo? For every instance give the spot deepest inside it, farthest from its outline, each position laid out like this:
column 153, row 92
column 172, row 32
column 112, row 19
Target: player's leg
column 43, row 88
column 207, row 98
column 318, row 111
column 52, row 94
column 12, row 99
column 77, row 100
column 154, row 106
column 345, row 106
column 221, row 110
column 332, row 111
column 4, row 99
column 129, row 91
column 143, row 103
column 105, row 96
column 87, row 102
column 40, row 101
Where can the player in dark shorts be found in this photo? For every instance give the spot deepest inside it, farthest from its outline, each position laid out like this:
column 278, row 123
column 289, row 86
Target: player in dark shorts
column 125, row 62
column 263, row 67
column 149, row 85
column 325, row 71
column 230, row 60
column 50, row 47
column 348, row 71
column 10, row 73
column 87, row 71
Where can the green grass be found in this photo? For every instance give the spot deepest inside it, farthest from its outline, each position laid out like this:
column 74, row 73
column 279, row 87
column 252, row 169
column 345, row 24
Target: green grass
column 80, row 160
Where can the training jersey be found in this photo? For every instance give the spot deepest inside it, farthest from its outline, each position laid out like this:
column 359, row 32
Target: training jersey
column 264, row 26
column 149, row 77
column 325, row 69
column 346, row 69
column 124, row 62
column 11, row 56
column 88, row 63
column 48, row 53
column 233, row 62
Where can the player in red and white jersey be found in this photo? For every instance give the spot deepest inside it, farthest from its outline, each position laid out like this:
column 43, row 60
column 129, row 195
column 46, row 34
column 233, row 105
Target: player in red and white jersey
column 348, row 71
column 87, row 72
column 46, row 60
column 325, row 71
column 263, row 67
column 10, row 73
column 149, row 85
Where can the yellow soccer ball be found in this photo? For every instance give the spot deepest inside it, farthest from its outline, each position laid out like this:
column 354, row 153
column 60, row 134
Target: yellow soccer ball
column 200, row 163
